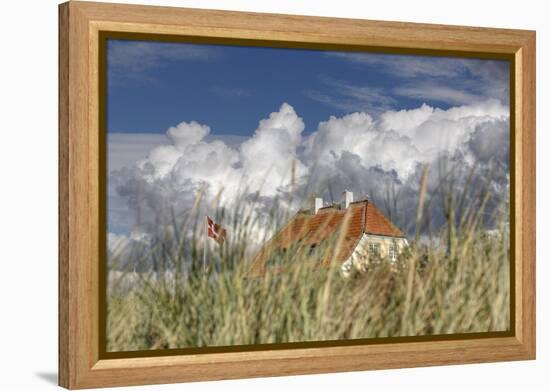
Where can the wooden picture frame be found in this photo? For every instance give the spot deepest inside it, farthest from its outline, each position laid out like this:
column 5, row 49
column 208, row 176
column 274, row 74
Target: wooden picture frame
column 81, row 364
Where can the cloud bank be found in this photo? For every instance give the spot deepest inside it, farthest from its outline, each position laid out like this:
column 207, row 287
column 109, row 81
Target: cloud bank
column 367, row 155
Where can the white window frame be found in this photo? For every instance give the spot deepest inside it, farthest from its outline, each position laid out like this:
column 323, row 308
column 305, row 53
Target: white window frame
column 373, row 249
column 393, row 251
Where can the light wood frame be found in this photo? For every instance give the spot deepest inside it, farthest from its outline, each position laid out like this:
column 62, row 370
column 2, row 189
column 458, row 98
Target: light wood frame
column 80, row 24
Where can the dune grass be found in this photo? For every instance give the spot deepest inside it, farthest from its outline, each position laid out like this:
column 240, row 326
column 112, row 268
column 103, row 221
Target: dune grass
column 455, row 281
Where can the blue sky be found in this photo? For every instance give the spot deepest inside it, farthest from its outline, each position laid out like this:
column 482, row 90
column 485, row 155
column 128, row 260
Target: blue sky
column 154, row 85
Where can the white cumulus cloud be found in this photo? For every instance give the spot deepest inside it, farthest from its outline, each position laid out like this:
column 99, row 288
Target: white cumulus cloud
column 269, row 157
column 173, row 174
column 357, row 151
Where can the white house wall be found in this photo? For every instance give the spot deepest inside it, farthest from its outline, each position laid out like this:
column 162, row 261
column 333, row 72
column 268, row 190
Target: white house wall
column 358, row 260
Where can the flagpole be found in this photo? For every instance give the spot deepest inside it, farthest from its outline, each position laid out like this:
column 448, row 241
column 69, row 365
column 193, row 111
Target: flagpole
column 204, row 247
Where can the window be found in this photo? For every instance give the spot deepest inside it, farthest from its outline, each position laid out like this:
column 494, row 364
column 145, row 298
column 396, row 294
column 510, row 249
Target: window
column 316, row 252
column 312, row 248
column 393, row 251
column 374, row 249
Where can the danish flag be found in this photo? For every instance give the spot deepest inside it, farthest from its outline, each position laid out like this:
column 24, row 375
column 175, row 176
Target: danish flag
column 215, row 231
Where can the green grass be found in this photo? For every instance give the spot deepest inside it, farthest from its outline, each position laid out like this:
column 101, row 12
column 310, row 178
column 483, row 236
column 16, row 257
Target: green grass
column 457, row 281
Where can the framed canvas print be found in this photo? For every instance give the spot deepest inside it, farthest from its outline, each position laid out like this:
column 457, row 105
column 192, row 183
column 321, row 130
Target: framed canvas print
column 249, row 195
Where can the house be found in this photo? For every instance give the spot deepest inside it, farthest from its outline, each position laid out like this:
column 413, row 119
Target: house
column 347, row 233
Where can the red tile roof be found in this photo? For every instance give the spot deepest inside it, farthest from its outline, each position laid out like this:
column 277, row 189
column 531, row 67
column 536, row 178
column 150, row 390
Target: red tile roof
column 307, row 229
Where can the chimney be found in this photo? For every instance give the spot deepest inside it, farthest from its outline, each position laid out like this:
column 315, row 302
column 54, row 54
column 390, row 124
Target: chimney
column 347, row 198
column 317, row 204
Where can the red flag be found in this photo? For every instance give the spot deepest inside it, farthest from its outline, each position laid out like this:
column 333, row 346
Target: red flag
column 215, row 231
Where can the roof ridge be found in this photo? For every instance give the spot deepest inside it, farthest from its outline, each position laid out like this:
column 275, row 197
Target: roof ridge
column 352, row 248
column 365, row 217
